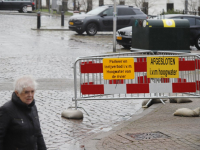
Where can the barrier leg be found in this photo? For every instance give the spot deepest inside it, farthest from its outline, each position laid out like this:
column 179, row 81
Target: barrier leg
column 162, row 101
column 148, row 103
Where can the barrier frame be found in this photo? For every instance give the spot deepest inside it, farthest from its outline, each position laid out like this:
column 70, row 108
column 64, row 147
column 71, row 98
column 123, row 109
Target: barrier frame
column 122, row 55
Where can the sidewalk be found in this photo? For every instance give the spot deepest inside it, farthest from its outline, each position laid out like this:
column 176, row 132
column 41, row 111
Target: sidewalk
column 155, row 128
column 52, row 28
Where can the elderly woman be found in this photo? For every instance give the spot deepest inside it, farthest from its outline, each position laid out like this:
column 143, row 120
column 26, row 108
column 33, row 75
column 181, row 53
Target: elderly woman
column 19, row 122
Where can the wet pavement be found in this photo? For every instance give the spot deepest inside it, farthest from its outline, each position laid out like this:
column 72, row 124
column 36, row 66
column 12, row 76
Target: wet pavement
column 49, row 56
column 156, row 128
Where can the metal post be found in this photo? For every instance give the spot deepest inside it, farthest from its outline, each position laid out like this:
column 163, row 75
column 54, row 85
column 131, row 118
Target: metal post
column 38, row 20
column 114, row 26
column 62, row 18
column 75, row 86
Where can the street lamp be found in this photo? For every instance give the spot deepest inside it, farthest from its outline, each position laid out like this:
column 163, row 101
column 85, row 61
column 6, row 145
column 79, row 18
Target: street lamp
column 114, row 26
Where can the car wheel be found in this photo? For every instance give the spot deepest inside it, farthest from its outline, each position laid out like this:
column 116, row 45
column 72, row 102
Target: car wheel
column 197, row 43
column 24, row 9
column 91, row 29
column 126, row 46
column 79, row 32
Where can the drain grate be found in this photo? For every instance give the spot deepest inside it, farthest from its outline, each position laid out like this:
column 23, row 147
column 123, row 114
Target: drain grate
column 148, row 136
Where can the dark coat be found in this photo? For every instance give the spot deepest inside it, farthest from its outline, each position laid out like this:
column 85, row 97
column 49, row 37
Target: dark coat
column 20, row 126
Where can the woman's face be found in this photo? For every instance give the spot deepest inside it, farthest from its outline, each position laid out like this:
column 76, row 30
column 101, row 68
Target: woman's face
column 27, row 95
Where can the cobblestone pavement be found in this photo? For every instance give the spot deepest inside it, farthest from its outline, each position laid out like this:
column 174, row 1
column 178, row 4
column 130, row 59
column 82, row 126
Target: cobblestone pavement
column 58, row 131
column 175, row 132
column 49, row 55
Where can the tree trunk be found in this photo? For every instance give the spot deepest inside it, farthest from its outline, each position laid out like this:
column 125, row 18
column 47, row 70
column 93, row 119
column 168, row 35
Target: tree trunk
column 74, row 4
column 89, row 5
column 145, row 6
column 101, row 2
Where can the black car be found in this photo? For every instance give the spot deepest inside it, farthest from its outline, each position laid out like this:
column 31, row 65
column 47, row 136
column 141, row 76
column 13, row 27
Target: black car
column 101, row 19
column 124, row 35
column 18, row 5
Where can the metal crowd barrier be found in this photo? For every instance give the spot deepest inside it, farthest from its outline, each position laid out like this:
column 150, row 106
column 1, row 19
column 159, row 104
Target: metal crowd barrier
column 171, row 53
column 89, row 83
column 135, row 53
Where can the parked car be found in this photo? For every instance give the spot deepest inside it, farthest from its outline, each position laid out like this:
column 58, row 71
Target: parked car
column 124, row 35
column 101, row 19
column 18, row 5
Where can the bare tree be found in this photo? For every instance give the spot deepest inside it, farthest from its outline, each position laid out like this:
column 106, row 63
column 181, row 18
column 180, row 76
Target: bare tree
column 144, row 4
column 85, row 5
column 139, row 3
column 192, row 5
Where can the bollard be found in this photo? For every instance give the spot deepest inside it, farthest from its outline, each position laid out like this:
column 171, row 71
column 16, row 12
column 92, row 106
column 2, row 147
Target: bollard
column 62, row 18
column 38, row 20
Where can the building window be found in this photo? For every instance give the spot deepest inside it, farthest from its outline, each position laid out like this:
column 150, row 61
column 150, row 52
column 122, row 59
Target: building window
column 170, row 6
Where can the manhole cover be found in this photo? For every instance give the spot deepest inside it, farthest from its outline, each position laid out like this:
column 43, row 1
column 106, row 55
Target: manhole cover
column 148, row 136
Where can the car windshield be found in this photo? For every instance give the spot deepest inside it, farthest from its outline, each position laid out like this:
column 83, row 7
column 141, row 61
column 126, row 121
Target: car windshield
column 96, row 11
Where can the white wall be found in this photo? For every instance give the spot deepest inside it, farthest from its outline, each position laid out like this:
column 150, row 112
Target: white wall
column 94, row 2
column 157, row 7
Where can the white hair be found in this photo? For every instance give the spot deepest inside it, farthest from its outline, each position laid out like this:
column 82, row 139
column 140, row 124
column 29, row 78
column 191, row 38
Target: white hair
column 24, row 82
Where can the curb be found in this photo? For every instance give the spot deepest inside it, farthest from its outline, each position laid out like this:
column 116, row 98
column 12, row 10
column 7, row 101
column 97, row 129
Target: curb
column 31, row 14
column 51, row 29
